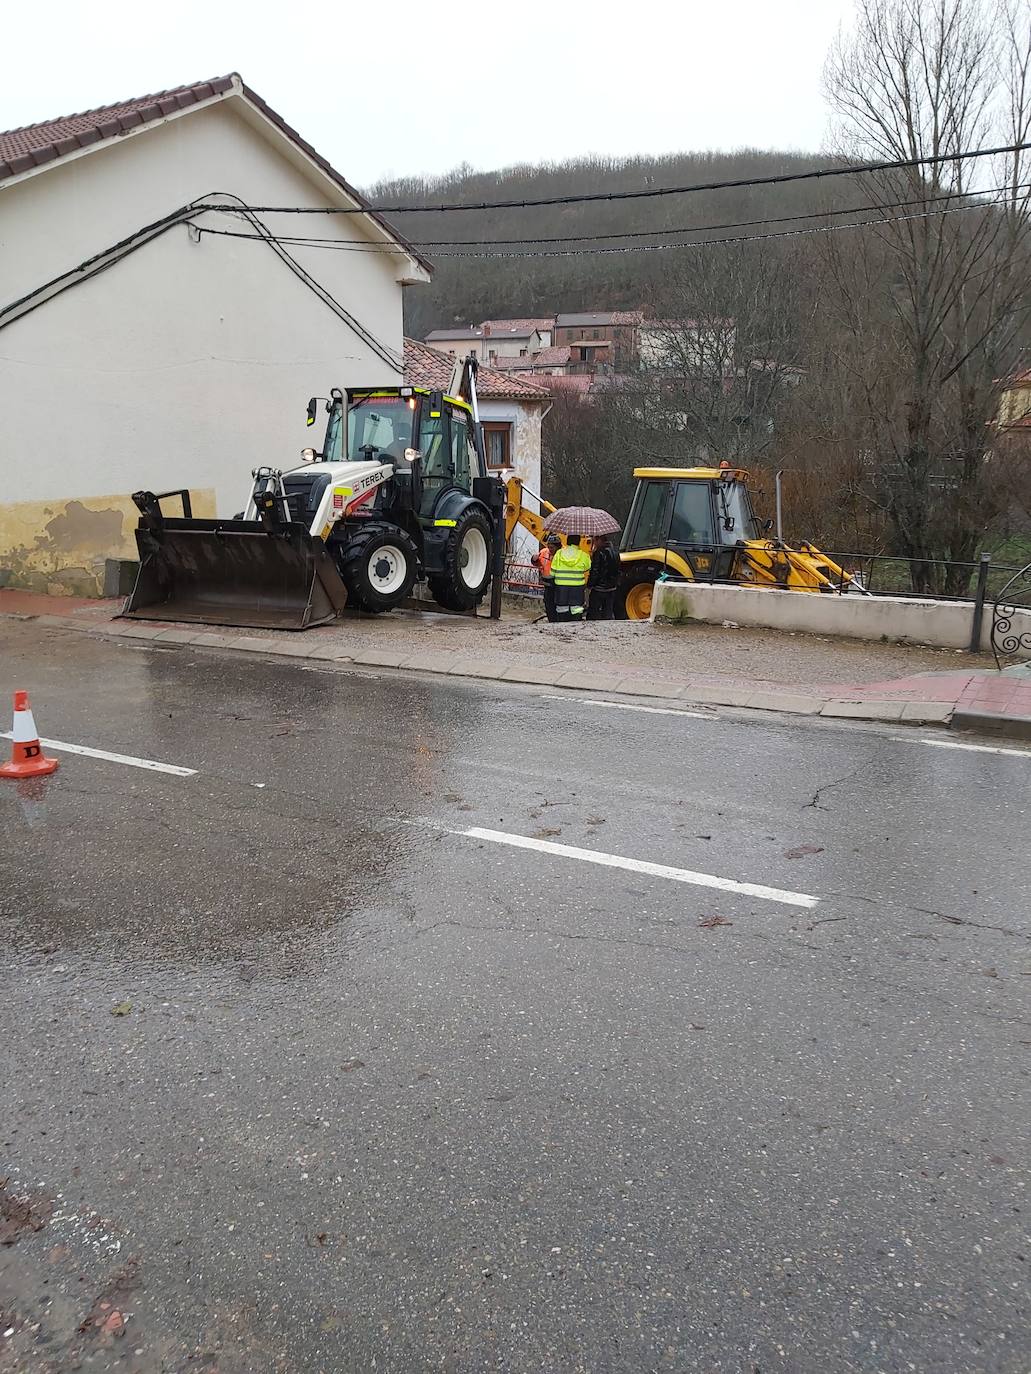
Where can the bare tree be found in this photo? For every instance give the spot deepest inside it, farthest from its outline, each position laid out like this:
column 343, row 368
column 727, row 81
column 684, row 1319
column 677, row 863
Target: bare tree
column 590, row 447
column 932, row 305
column 720, row 354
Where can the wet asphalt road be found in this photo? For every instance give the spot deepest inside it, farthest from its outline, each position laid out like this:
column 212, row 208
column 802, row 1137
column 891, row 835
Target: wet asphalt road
column 390, row 1097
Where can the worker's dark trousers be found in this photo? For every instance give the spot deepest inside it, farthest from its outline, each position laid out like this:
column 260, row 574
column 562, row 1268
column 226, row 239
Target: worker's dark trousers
column 549, row 599
column 600, row 606
column 569, row 604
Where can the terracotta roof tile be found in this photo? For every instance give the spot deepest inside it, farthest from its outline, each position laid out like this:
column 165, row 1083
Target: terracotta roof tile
column 518, row 326
column 504, row 364
column 599, row 317
column 36, row 144
column 425, row 366
column 552, row 357
column 576, row 384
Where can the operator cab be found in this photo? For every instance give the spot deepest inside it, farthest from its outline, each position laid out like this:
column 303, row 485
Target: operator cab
column 391, row 426
column 700, row 513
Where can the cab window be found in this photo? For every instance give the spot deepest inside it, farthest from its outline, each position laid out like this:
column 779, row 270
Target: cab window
column 378, row 427
column 460, row 450
column 647, row 526
column 735, row 505
column 692, row 515
column 436, row 459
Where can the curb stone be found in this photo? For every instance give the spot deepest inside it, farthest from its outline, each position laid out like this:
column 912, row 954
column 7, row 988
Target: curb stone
column 578, row 679
column 864, row 710
column 992, row 723
column 795, row 703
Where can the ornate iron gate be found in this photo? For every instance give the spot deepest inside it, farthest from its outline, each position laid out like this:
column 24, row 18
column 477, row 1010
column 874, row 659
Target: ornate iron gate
column 1011, row 618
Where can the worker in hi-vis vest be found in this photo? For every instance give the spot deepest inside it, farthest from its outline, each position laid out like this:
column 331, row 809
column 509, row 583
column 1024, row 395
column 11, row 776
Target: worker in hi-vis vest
column 541, row 560
column 570, row 567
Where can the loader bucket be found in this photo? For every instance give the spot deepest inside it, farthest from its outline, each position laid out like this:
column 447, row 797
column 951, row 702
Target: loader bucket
column 233, row 572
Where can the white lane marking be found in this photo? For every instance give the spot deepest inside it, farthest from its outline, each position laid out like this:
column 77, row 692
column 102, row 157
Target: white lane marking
column 954, row 744
column 128, row 759
column 678, row 875
column 629, row 706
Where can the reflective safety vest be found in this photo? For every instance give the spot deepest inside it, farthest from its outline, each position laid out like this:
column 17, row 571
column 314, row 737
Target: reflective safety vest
column 570, row 566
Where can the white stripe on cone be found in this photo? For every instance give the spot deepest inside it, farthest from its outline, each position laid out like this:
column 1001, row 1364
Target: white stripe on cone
column 24, row 728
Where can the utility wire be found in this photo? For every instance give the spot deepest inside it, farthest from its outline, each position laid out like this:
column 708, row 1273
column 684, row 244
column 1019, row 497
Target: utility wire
column 92, row 267
column 139, row 238
column 714, row 228
column 314, row 240
column 384, row 351
column 336, row 245
column 853, row 169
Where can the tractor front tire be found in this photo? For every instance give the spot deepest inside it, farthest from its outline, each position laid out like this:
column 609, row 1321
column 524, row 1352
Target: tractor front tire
column 468, row 560
column 378, row 565
column 634, row 591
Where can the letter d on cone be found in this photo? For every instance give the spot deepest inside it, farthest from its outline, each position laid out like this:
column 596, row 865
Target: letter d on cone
column 27, row 757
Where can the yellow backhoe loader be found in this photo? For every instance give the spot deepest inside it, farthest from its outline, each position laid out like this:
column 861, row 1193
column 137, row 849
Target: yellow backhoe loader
column 695, row 523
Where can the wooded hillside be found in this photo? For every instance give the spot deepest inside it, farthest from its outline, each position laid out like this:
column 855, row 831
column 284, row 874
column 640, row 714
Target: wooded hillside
column 469, row 289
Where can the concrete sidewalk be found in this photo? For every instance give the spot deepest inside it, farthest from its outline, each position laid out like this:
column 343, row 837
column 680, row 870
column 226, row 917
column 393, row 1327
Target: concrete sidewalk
column 584, row 659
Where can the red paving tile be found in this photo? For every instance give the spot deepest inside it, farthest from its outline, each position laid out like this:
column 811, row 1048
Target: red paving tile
column 14, row 601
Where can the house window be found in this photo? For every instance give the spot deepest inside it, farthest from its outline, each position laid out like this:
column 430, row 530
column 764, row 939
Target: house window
column 523, row 352
column 497, row 443
column 595, row 334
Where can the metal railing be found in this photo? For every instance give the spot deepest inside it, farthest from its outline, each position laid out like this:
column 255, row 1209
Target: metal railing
column 522, row 579
column 1010, row 640
column 886, row 574
column 882, row 574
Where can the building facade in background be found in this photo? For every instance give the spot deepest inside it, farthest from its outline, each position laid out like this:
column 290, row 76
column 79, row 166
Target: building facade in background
column 702, row 348
column 619, row 329
column 459, row 343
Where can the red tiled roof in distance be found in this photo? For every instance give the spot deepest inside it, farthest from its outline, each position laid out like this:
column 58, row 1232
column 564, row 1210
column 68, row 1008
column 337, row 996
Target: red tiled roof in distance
column 517, row 328
column 454, row 335
column 504, row 364
column 552, row 357
column 585, row 319
column 425, row 366
column 577, row 385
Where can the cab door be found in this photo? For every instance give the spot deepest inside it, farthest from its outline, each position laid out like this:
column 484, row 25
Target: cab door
column 462, row 459
column 435, row 446
column 692, row 531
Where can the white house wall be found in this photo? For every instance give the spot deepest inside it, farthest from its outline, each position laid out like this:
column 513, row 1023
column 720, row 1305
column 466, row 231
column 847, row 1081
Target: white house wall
column 505, row 346
column 525, row 419
column 187, row 364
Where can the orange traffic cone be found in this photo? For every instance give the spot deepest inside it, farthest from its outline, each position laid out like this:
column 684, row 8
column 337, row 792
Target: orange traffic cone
column 27, row 757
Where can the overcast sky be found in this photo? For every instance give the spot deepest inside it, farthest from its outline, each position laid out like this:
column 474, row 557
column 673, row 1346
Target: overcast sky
column 398, row 87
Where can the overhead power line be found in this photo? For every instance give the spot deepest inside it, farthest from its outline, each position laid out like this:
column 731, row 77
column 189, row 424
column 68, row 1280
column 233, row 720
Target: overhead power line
column 110, row 257
column 335, row 244
column 314, row 240
column 853, row 169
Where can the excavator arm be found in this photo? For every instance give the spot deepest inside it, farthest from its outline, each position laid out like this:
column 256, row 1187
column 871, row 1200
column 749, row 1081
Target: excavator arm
column 768, row 563
column 518, row 513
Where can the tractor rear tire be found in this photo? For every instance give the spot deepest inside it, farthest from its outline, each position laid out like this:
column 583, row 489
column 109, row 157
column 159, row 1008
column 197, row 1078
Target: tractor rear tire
column 378, row 564
column 634, row 591
column 468, row 561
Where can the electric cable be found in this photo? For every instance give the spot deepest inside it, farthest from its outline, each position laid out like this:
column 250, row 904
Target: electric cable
column 779, row 178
